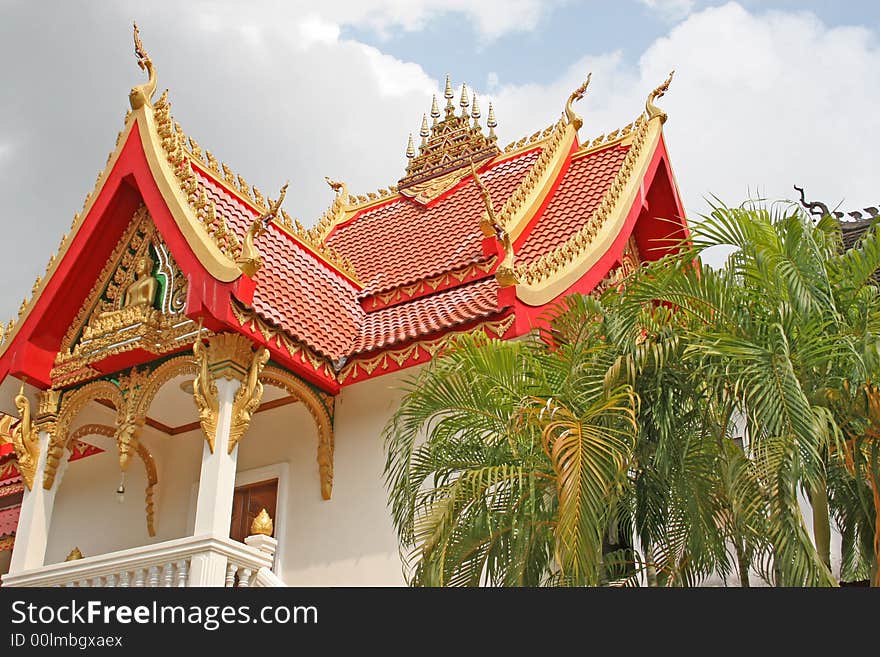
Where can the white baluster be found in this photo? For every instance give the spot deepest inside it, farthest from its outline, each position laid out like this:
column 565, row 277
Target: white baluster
column 154, row 577
column 230, row 575
column 167, row 575
column 124, row 579
column 244, row 577
column 70, row 585
column 97, row 582
column 139, row 576
column 83, row 583
column 111, row 579
column 182, row 571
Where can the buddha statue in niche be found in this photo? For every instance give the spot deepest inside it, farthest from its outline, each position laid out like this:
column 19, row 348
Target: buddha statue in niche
column 142, row 290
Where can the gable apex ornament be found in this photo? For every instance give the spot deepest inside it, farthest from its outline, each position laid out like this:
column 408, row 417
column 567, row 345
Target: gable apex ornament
column 142, row 94
column 651, row 109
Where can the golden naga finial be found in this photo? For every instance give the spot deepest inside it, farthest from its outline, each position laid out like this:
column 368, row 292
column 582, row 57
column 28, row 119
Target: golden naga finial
column 577, row 94
column 250, row 260
column 504, row 274
column 142, row 94
column 652, row 110
column 262, row 524
column 24, row 440
column 337, row 186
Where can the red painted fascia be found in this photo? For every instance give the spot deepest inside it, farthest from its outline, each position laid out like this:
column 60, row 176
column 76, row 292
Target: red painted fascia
column 533, row 317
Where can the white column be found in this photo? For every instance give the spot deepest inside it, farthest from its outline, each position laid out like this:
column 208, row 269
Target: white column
column 216, row 488
column 35, row 518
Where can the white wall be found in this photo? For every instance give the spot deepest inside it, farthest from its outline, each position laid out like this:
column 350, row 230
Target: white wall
column 348, row 540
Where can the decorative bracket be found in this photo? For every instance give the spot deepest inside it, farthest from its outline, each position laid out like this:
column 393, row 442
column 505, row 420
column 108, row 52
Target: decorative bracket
column 25, row 441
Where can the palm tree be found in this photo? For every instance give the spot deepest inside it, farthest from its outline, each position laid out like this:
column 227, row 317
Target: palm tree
column 688, row 410
column 782, row 334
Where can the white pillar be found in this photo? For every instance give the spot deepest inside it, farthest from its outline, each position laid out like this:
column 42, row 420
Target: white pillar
column 35, row 518
column 216, row 489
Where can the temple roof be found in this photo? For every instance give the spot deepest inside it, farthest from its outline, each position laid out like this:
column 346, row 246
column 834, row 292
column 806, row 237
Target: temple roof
column 472, row 238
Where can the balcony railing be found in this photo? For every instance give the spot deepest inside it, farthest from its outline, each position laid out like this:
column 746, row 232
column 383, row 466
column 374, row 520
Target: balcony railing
column 167, row 564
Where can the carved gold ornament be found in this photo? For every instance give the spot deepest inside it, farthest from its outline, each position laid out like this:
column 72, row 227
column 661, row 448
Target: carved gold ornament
column 74, row 555
column 229, row 355
column 250, row 261
column 137, row 302
column 25, row 440
column 505, row 274
column 142, row 94
column 262, row 524
column 651, row 109
column 447, row 148
column 247, row 399
column 577, row 94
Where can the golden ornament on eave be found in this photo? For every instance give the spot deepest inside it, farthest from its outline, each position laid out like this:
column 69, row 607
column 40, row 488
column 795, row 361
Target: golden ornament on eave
column 262, row 524
column 74, row 555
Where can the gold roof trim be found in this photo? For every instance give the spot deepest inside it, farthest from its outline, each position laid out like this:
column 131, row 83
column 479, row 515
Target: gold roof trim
column 521, row 206
column 552, row 273
column 622, row 135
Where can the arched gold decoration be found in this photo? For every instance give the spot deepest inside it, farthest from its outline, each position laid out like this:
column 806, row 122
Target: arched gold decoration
column 143, row 453
column 170, row 369
column 24, row 440
column 313, row 403
column 71, row 404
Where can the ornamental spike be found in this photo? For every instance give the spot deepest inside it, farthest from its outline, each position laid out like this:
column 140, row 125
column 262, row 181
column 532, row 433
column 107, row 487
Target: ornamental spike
column 410, row 148
column 424, row 132
column 463, row 102
column 475, row 108
column 448, row 95
column 491, row 123
column 435, row 110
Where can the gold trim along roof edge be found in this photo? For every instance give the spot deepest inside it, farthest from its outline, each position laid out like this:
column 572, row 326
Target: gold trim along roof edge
column 218, row 264
column 550, row 275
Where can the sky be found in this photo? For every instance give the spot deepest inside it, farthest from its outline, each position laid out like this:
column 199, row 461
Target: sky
column 767, row 94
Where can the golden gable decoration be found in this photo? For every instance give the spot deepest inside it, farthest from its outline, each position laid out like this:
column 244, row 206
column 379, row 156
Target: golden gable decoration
column 137, row 302
column 448, row 148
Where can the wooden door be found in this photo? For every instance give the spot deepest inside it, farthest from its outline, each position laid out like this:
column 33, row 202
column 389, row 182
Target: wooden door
column 247, row 502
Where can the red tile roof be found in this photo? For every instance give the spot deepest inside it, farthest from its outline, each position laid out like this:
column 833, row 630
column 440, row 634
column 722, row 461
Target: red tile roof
column 427, row 315
column 404, row 241
column 580, row 192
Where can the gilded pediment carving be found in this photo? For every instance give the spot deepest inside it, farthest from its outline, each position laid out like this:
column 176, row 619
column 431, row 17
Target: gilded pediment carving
column 137, row 302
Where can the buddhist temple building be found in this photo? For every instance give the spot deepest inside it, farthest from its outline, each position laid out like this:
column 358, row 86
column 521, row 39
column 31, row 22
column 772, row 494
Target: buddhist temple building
column 197, row 386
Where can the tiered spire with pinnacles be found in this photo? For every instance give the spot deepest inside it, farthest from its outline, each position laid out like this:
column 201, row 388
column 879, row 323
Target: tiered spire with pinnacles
column 448, row 146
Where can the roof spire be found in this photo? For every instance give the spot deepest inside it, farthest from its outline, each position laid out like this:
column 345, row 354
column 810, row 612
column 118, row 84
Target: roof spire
column 652, row 110
column 448, row 95
column 142, row 94
column 435, row 110
column 577, row 94
column 410, row 148
column 491, row 123
column 424, row 133
column 464, row 100
column 475, row 112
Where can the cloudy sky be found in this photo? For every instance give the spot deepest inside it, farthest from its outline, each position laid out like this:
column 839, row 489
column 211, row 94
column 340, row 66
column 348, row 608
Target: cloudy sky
column 766, row 94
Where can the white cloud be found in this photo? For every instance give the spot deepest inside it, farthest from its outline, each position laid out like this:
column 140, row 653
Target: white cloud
column 759, row 102
column 670, row 9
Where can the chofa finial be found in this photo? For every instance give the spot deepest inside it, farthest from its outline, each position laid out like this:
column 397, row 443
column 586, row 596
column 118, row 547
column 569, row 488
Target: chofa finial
column 577, row 94
column 652, row 110
column 142, row 94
